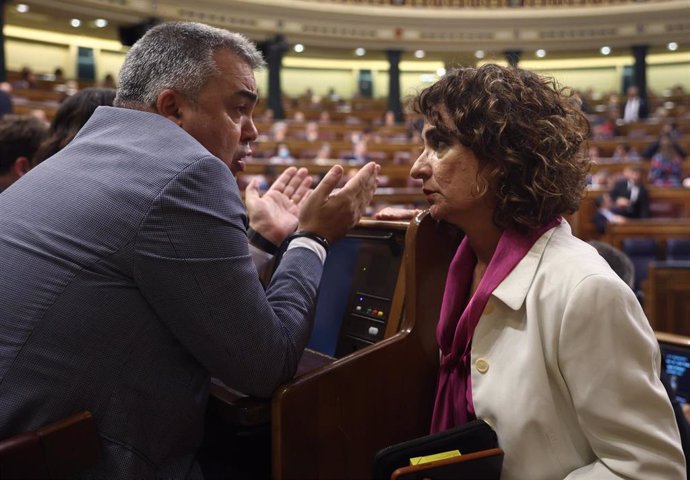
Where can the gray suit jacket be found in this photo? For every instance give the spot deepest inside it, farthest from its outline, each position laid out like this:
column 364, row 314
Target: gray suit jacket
column 126, row 280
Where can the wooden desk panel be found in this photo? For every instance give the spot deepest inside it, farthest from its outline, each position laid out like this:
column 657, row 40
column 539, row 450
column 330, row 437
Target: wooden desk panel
column 667, row 297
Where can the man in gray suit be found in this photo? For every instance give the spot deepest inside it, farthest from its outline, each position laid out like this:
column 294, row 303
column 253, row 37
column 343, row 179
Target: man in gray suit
column 127, row 277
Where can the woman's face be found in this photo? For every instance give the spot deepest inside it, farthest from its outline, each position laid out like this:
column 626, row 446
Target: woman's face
column 448, row 171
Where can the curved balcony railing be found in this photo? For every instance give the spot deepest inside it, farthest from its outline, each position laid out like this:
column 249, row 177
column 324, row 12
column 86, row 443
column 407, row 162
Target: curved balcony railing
column 487, row 3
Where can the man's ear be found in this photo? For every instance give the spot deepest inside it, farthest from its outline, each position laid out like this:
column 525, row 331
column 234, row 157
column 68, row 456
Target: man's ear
column 20, row 166
column 170, row 104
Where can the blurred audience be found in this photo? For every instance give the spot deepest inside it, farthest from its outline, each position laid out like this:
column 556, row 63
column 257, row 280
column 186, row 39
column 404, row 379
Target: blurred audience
column 20, row 137
column 70, row 117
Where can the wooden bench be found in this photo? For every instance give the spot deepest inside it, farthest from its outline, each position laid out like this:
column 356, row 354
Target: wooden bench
column 59, row 450
column 675, row 201
column 658, row 228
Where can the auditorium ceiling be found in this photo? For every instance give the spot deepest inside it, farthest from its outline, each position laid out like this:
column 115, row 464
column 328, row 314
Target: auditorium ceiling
column 328, row 28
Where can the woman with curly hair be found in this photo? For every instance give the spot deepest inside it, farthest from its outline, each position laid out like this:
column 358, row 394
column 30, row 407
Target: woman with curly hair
column 538, row 336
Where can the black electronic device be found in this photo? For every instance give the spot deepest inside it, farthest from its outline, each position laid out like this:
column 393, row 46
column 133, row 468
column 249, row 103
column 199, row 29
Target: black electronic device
column 356, row 294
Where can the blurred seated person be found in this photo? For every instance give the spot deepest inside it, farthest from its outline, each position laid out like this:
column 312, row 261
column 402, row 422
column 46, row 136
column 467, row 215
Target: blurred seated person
column 310, row 132
column 108, row 81
column 666, row 168
column 601, row 179
column 604, row 215
column 359, row 155
column 629, row 195
column 27, row 79
column 279, row 131
column 324, row 153
column 324, row 117
column 20, row 137
column 606, row 128
column 282, row 155
column 635, row 107
column 58, row 75
column 624, row 152
column 653, row 148
column 70, row 117
column 523, row 345
column 298, row 117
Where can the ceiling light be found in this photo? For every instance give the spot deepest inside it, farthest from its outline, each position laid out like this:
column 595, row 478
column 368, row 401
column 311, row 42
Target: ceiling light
column 360, row 52
column 299, row 48
column 22, row 7
column 101, row 22
column 479, row 54
column 541, row 53
column 75, row 22
column 673, row 46
column 605, row 50
column 419, row 53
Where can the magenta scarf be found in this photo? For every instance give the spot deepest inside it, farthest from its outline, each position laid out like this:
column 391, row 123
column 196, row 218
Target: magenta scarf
column 458, row 319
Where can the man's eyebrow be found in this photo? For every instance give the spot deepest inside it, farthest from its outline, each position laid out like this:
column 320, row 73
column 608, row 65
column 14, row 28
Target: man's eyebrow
column 248, row 94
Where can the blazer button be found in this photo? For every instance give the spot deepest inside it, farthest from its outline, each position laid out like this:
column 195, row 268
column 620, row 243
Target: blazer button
column 481, row 365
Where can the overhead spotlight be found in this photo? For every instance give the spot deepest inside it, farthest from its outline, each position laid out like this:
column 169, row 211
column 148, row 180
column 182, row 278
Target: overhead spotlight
column 101, row 22
column 479, row 54
column 605, row 50
column 673, row 46
column 22, row 7
column 419, row 53
column 360, row 52
column 440, row 71
column 541, row 53
column 299, row 48
column 75, row 22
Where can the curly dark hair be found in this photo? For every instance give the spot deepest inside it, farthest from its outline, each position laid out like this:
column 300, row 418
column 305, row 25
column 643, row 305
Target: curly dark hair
column 528, row 134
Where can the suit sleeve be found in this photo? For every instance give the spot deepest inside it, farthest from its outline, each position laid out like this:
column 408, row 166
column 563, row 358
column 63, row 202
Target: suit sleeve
column 193, row 265
column 610, row 361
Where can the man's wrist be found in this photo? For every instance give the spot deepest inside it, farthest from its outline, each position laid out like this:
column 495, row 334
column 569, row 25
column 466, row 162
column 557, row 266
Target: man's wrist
column 261, row 242
column 311, row 235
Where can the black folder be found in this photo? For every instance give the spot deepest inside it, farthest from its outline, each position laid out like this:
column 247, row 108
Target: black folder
column 474, row 436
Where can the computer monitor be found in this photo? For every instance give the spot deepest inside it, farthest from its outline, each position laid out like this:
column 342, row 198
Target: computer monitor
column 676, row 352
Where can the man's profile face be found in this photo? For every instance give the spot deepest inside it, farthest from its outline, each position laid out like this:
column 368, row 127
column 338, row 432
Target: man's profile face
column 221, row 120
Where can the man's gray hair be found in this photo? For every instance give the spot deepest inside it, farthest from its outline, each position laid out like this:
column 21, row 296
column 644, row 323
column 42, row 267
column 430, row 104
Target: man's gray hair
column 177, row 55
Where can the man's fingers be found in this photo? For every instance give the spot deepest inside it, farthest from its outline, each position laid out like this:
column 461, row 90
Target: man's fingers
column 295, row 182
column 302, row 190
column 251, row 192
column 283, row 180
column 328, row 183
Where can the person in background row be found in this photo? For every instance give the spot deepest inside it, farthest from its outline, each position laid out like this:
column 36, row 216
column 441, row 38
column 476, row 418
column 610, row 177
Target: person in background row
column 521, row 332
column 70, row 117
column 629, row 194
column 604, row 213
column 666, row 167
column 128, row 277
column 20, row 137
column 635, row 107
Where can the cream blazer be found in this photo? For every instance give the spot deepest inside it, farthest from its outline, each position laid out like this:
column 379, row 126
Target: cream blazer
column 565, row 367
